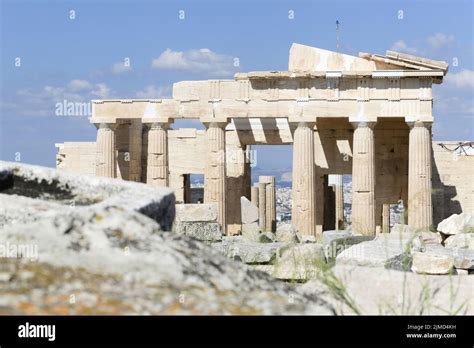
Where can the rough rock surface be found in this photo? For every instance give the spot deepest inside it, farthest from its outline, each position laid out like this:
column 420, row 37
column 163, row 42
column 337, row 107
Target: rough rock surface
column 457, row 223
column 251, row 232
column 375, row 291
column 286, row 233
column 246, row 251
column 431, row 256
column 390, row 250
column 297, row 262
column 432, row 263
column 462, row 240
column 205, row 231
column 117, row 261
column 48, row 191
column 334, row 242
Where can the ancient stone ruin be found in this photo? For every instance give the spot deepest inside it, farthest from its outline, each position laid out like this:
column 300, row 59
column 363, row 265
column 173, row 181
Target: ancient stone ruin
column 368, row 116
column 151, row 243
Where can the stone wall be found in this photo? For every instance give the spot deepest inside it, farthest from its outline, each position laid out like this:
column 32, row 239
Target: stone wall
column 453, row 181
column 78, row 157
column 187, row 155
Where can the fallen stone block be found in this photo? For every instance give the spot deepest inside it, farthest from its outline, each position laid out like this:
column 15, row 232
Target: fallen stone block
column 246, row 251
column 297, row 262
column 385, row 250
column 204, row 231
column 196, row 212
column 463, row 259
column 461, row 241
column 251, row 231
column 123, row 260
column 457, row 223
column 334, row 242
column 249, row 211
column 432, row 263
column 63, row 191
column 286, row 233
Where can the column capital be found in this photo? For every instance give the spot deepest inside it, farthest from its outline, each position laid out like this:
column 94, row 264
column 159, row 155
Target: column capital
column 163, row 122
column 305, row 124
column 421, row 124
column 158, row 125
column 215, row 124
column 106, row 125
column 363, row 124
column 301, row 124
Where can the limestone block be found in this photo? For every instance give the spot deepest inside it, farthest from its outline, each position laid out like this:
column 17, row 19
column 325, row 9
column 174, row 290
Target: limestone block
column 464, row 259
column 59, row 187
column 462, row 241
column 335, row 242
column 205, row 231
column 379, row 291
column 305, row 253
column 286, row 233
column 251, row 231
column 206, row 212
column 383, row 251
column 432, row 263
column 249, row 211
column 457, row 223
column 306, row 58
column 297, row 262
column 329, row 236
column 247, row 251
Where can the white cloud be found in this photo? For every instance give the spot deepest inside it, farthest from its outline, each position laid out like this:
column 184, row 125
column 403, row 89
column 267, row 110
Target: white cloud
column 195, row 60
column 401, row 46
column 152, row 92
column 42, row 102
column 462, row 79
column 79, row 85
column 101, row 90
column 440, row 40
column 121, row 67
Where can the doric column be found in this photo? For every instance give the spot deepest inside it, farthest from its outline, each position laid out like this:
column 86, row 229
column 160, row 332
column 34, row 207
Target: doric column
column 363, row 179
column 106, row 157
column 135, row 150
column 215, row 171
column 304, row 204
column 270, row 202
column 157, row 171
column 420, row 212
column 262, row 205
column 386, row 218
column 339, row 201
column 254, row 195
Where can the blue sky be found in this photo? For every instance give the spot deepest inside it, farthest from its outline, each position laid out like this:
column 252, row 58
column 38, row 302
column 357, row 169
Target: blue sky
column 83, row 58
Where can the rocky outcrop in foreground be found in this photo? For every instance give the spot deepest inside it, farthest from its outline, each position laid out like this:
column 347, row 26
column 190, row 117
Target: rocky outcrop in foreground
column 112, row 256
column 72, row 244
